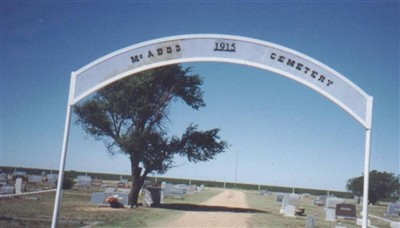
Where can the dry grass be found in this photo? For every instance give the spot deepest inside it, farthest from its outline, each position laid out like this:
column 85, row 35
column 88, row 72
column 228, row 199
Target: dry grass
column 274, row 219
column 76, row 211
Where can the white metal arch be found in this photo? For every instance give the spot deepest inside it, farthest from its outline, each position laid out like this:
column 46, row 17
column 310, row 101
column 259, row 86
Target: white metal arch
column 221, row 48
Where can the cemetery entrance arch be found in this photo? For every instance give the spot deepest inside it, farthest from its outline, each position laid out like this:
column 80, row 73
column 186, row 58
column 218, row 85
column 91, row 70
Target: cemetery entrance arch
column 221, row 48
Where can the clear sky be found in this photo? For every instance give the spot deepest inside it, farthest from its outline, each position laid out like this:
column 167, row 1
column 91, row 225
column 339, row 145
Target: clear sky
column 282, row 132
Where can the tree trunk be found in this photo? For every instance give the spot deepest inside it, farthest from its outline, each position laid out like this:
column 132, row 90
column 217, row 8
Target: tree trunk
column 136, row 185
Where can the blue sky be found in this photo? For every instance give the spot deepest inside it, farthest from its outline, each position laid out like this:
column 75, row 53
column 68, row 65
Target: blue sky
column 282, row 132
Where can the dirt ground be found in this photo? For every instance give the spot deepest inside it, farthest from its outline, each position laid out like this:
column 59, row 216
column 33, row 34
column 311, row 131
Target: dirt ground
column 227, row 209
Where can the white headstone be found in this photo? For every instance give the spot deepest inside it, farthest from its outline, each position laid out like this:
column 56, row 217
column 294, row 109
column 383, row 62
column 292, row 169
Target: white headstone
column 331, row 202
column 290, row 211
column 3, row 177
column 330, row 214
column 395, row 225
column 148, row 199
column 109, row 190
column 35, row 178
column 311, row 223
column 18, row 186
column 285, row 202
column 393, row 209
column 294, row 199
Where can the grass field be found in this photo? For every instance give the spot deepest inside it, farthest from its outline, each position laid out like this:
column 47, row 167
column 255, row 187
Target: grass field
column 274, row 219
column 77, row 211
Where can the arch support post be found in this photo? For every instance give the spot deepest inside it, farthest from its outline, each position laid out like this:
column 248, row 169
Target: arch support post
column 57, row 201
column 366, row 178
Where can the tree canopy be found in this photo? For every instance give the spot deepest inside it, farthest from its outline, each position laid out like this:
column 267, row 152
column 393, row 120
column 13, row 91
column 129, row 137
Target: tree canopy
column 130, row 116
column 382, row 186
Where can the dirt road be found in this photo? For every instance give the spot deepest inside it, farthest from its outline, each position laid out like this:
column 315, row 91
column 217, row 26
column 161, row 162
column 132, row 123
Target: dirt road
column 227, row 209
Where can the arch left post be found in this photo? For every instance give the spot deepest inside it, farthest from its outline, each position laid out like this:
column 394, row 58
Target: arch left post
column 57, row 202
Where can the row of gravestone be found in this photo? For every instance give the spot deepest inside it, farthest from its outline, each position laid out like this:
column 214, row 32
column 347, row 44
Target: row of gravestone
column 50, row 178
column 17, row 188
column 152, row 194
column 334, row 207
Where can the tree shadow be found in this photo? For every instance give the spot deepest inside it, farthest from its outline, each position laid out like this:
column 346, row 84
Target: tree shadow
column 206, row 208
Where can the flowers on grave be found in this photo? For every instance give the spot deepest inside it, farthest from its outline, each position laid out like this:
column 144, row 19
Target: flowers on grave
column 113, row 201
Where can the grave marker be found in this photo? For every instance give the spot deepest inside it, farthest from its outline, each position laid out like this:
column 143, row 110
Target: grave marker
column 345, row 210
column 35, row 178
column 330, row 215
column 393, row 209
column 7, row 189
column 18, row 185
column 311, row 223
column 279, row 198
column 288, row 202
column 290, row 211
column 84, row 181
column 3, row 178
column 330, row 208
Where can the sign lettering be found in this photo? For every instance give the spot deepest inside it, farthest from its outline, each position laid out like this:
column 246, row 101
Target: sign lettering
column 223, row 48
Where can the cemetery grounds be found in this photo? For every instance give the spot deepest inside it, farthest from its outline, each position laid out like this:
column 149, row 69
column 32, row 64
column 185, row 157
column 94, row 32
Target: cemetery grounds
column 221, row 207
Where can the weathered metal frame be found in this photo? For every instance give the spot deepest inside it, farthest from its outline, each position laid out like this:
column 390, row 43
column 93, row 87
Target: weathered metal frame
column 365, row 120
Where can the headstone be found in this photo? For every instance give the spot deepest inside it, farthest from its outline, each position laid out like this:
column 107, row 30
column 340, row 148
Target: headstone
column 7, row 189
column 109, row 189
column 155, row 194
column 279, row 198
column 35, row 178
column 305, row 195
column 123, row 183
column 173, row 191
column 3, row 177
column 394, row 224
column 290, row 211
column 17, row 174
column 97, row 182
column 294, row 199
column 285, row 202
column 200, row 188
column 147, row 199
column 332, row 202
column 310, row 222
column 320, row 200
column 52, row 178
column 190, row 189
column 330, row 214
column 345, row 210
column 84, row 181
column 18, row 185
column 98, row 198
column 393, row 209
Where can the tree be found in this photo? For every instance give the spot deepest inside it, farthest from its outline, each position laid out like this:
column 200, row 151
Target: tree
column 130, row 117
column 382, row 185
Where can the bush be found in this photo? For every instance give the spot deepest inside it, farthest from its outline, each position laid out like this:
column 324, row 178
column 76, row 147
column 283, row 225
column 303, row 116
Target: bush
column 68, row 183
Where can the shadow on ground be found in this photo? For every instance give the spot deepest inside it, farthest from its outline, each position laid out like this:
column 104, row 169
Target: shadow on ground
column 205, row 208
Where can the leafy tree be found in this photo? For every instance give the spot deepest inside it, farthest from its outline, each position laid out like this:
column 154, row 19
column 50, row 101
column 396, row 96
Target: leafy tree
column 130, row 117
column 382, row 185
